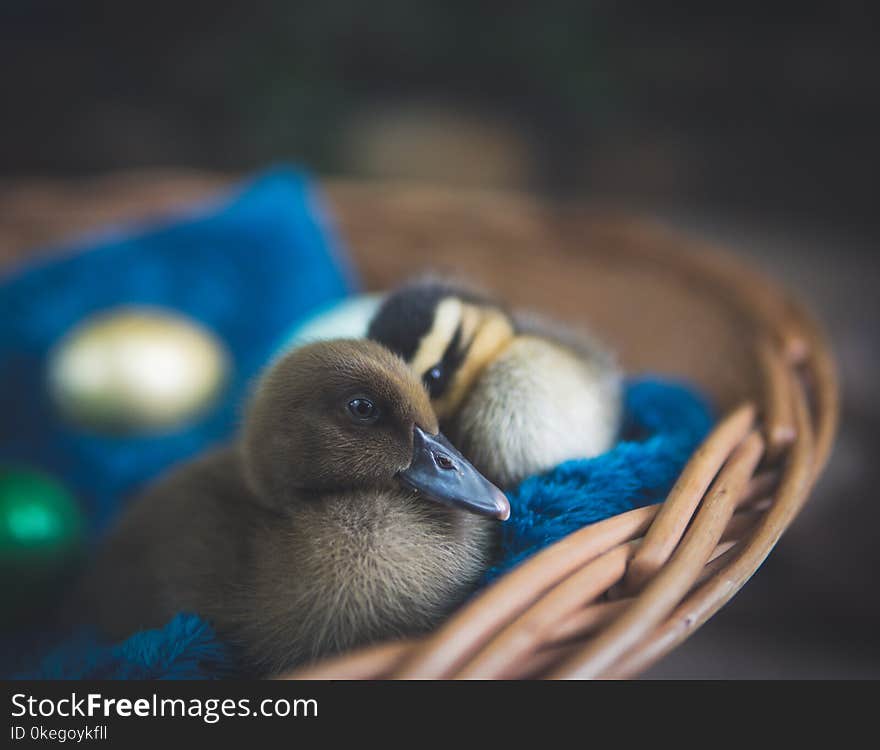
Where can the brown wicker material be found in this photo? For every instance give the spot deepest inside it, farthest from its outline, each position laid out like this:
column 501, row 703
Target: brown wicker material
column 612, row 598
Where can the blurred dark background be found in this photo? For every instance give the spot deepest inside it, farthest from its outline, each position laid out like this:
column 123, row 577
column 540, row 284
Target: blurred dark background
column 753, row 126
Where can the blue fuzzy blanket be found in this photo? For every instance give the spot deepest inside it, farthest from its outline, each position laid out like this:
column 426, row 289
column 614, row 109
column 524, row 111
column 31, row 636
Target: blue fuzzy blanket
column 267, row 251
column 663, row 424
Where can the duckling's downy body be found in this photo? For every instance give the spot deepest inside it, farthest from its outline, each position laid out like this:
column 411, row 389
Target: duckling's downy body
column 517, row 393
column 307, row 537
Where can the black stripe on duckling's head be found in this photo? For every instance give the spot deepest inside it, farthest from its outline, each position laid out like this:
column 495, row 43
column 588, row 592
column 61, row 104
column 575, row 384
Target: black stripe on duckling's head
column 407, row 314
column 348, row 414
column 447, row 333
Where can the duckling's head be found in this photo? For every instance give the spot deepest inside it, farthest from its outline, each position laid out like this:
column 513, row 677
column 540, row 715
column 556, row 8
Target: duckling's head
column 446, row 332
column 349, row 414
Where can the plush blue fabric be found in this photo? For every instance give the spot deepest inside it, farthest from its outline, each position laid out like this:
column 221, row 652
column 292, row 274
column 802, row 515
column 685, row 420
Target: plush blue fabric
column 664, row 423
column 185, row 649
column 248, row 266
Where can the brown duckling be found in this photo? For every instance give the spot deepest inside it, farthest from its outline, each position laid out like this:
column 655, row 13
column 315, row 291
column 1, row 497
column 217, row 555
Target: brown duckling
column 517, row 393
column 341, row 516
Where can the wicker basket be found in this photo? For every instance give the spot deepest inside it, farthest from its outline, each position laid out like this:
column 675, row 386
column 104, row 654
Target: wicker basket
column 612, row 598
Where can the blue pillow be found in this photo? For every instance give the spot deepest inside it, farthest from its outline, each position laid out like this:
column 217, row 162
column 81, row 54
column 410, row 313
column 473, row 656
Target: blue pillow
column 248, row 266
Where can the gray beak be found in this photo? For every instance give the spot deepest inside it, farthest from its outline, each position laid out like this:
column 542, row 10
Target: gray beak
column 442, row 474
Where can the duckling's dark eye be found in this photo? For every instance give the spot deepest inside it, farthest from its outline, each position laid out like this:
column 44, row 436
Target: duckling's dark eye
column 363, row 410
column 433, row 380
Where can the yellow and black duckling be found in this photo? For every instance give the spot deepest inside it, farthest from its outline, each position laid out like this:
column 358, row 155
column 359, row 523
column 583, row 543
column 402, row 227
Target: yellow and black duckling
column 340, row 516
column 518, row 394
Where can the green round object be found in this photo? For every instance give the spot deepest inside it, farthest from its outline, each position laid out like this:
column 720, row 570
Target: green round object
column 41, row 538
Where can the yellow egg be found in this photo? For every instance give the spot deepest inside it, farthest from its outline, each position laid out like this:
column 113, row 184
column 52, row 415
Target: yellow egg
column 134, row 369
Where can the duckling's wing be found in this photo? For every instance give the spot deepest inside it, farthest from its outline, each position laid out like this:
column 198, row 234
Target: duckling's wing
column 584, row 343
column 175, row 549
